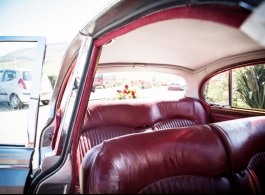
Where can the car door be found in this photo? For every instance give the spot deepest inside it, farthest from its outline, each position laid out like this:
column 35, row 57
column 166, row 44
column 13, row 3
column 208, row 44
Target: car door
column 8, row 84
column 18, row 128
column 2, row 94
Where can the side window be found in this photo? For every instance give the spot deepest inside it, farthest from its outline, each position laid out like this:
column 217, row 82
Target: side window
column 1, row 75
column 245, row 84
column 27, row 75
column 216, row 89
column 248, row 86
column 9, row 75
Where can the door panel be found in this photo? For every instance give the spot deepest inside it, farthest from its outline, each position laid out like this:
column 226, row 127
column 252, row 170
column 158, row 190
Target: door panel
column 14, row 168
column 19, row 124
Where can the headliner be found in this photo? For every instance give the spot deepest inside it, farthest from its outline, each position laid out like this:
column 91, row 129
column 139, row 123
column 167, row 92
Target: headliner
column 188, row 43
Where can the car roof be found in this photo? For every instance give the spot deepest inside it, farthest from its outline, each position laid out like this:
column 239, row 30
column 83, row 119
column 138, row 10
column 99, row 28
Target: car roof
column 207, row 36
column 191, row 39
column 120, row 12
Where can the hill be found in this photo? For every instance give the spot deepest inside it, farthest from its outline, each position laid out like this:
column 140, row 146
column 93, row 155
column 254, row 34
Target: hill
column 24, row 58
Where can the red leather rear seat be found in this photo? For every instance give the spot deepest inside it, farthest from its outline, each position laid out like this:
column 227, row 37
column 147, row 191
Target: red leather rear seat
column 182, row 113
column 224, row 157
column 109, row 119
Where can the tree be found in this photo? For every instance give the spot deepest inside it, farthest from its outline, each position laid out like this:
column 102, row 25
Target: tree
column 216, row 89
column 250, row 85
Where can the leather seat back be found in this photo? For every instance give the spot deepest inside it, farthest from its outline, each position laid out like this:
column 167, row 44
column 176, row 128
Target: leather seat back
column 182, row 113
column 184, row 160
column 244, row 140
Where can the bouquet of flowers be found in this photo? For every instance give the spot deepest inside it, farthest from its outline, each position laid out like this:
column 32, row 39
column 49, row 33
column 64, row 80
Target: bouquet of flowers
column 126, row 93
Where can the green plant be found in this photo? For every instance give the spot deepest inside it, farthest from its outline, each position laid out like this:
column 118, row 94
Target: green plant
column 216, row 89
column 52, row 80
column 250, row 85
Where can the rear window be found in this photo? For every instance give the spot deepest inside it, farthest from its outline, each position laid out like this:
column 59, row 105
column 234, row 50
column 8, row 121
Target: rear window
column 137, row 85
column 27, row 75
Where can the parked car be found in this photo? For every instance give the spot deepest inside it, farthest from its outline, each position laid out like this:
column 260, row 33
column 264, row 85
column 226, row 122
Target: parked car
column 211, row 140
column 15, row 85
column 176, row 83
column 105, row 80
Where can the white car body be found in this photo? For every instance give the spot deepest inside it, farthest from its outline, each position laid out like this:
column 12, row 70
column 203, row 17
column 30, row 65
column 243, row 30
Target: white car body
column 176, row 83
column 15, row 85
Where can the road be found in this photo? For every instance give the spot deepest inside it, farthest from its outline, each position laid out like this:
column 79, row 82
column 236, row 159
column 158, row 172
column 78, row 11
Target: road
column 13, row 128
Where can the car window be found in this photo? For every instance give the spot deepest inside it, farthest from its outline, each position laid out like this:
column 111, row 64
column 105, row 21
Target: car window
column 247, row 88
column 15, row 90
column 216, row 89
column 9, row 75
column 1, row 75
column 137, row 85
column 27, row 75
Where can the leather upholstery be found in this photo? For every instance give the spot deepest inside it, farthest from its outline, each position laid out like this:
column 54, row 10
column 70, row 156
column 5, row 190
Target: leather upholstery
column 120, row 113
column 224, row 157
column 106, row 120
column 186, row 108
column 109, row 119
column 256, row 170
column 138, row 113
column 170, row 161
column 172, row 123
column 244, row 140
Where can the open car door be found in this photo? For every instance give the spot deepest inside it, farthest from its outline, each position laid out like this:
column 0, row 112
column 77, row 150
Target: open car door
column 21, row 61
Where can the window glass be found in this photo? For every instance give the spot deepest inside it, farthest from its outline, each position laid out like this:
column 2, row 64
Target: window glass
column 248, row 86
column 1, row 75
column 27, row 75
column 15, row 57
column 137, row 85
column 9, row 75
column 216, row 89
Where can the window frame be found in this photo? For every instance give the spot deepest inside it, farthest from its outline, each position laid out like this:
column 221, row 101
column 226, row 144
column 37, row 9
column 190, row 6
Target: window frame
column 230, row 106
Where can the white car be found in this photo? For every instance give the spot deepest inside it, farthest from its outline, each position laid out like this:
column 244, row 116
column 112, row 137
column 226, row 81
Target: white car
column 176, row 83
column 15, row 85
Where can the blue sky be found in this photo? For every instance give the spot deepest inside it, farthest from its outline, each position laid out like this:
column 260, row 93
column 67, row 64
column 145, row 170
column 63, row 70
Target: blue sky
column 57, row 20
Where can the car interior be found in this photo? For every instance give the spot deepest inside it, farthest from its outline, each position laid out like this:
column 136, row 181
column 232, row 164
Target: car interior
column 161, row 146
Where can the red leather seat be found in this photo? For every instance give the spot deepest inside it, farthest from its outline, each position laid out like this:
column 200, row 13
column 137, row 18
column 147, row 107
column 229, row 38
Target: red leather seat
column 185, row 160
column 244, row 140
column 110, row 119
column 182, row 113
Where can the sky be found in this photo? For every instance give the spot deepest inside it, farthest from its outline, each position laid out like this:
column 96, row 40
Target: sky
column 57, row 20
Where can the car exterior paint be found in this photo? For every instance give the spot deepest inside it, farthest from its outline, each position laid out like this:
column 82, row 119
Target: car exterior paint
column 176, row 83
column 18, row 82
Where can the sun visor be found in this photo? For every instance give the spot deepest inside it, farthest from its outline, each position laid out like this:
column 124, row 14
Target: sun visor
column 254, row 25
